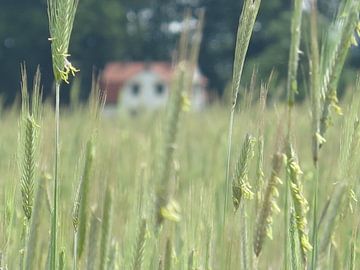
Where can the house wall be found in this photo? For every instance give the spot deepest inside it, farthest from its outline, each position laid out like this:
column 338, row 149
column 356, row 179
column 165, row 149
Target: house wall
column 145, row 90
column 148, row 90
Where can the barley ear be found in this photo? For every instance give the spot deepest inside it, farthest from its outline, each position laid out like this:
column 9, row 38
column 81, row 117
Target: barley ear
column 240, row 185
column 61, row 15
column 292, row 238
column 28, row 140
column 259, row 183
column 28, row 166
column 264, row 219
column 300, row 203
column 348, row 25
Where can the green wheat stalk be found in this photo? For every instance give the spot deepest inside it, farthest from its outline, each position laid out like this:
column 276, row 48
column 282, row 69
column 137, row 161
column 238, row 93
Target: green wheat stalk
column 259, row 183
column 315, row 105
column 83, row 196
column 114, row 260
column 352, row 259
column 139, row 249
column 292, row 90
column 170, row 133
column 75, row 222
column 315, row 82
column 348, row 23
column 177, row 102
column 93, row 242
column 245, row 28
column 62, row 260
column 35, row 222
column 168, row 255
column 292, row 85
column 190, row 263
column 61, row 14
column 29, row 141
column 106, row 227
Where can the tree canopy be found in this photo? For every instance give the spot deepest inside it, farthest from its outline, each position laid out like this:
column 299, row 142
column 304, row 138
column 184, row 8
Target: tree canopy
column 129, row 30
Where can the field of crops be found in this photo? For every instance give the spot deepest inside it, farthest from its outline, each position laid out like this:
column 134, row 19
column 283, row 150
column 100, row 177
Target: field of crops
column 125, row 158
column 252, row 183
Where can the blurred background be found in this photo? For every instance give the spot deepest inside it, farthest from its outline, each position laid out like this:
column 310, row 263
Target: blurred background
column 147, row 31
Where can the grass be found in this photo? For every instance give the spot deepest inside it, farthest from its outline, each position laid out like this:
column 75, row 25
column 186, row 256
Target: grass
column 129, row 166
column 148, row 192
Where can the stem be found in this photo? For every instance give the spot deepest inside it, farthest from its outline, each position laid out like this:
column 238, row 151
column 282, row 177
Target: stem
column 75, row 249
column 291, row 92
column 25, row 240
column 315, row 228
column 315, row 86
column 56, row 180
column 227, row 185
column 315, row 82
column 244, row 237
column 294, row 56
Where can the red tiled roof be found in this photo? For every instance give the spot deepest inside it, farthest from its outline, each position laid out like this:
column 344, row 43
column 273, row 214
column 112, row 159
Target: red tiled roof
column 115, row 74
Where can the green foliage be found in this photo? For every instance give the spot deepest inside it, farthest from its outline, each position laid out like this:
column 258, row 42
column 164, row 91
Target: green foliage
column 191, row 170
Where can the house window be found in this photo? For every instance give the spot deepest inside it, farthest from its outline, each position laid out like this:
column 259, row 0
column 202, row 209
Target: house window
column 135, row 89
column 159, row 89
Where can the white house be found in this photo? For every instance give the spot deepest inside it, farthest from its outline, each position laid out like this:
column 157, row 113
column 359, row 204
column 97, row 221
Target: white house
column 136, row 85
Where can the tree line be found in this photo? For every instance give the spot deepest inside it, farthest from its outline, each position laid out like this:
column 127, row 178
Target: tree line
column 146, row 30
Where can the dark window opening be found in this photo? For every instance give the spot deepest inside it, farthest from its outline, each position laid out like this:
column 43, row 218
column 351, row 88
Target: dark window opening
column 135, row 89
column 159, row 89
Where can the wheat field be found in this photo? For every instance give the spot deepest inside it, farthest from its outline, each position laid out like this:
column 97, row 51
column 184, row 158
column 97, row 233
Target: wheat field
column 248, row 183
